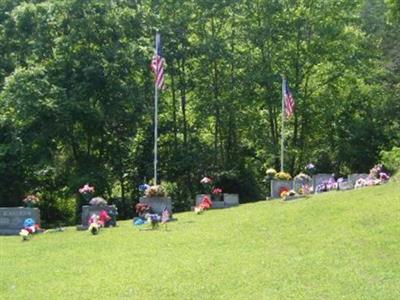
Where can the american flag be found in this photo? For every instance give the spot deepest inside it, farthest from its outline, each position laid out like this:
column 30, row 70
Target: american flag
column 157, row 64
column 289, row 100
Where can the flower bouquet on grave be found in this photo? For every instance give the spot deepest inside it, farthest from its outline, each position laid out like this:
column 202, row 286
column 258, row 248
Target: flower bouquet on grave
column 217, row 194
column 30, row 227
column 155, row 191
column 206, row 182
column 310, row 169
column 31, row 200
column 271, row 172
column 205, row 204
column 87, row 192
column 282, row 176
column 98, row 201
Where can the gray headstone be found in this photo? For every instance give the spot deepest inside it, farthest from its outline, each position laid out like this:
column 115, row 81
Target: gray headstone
column 158, row 204
column 12, row 219
column 276, row 186
column 89, row 210
column 231, row 199
column 299, row 183
column 346, row 185
column 218, row 204
column 354, row 177
column 319, row 178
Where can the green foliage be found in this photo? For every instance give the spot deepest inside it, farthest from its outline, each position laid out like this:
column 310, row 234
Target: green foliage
column 76, row 93
column 391, row 159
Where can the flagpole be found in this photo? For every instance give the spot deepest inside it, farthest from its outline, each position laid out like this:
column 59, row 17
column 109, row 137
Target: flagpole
column 283, row 121
column 155, row 123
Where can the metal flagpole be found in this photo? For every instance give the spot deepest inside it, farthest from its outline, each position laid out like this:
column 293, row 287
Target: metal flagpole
column 283, row 121
column 155, row 120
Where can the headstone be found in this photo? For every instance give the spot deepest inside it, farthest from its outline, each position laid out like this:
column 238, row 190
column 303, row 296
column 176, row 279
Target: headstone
column 12, row 219
column 218, row 204
column 277, row 185
column 158, row 204
column 298, row 183
column 231, row 200
column 89, row 210
column 200, row 197
column 346, row 185
column 319, row 178
column 354, row 177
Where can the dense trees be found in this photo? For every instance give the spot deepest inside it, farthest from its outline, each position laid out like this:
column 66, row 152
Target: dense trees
column 76, row 92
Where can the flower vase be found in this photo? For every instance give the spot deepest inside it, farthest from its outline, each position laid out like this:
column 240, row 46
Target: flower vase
column 29, row 205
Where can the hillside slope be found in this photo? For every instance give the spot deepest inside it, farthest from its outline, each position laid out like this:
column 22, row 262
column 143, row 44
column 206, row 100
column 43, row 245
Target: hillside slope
column 331, row 246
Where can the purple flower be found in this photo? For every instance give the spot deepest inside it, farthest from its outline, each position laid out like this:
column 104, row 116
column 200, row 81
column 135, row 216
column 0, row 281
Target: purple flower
column 143, row 187
column 310, row 166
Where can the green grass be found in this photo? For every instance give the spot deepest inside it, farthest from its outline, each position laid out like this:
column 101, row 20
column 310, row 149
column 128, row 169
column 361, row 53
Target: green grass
column 339, row 245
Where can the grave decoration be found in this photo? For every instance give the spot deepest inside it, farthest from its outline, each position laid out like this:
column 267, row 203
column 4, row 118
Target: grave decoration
column 98, row 201
column 12, row 219
column 217, row 194
column 344, row 184
column 30, row 227
column 281, row 182
column 376, row 176
column 310, row 169
column 327, row 185
column 31, row 200
column 100, row 220
column 270, row 174
column 302, row 184
column 205, row 204
column 94, row 224
column 87, row 192
column 156, row 197
column 289, row 195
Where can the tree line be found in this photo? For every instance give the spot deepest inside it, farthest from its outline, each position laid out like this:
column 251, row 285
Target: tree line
column 76, row 93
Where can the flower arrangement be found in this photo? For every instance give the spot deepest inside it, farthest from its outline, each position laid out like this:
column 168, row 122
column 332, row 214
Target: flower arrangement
column 142, row 209
column 327, row 185
column 206, row 180
column 205, row 204
column 217, row 192
column 143, row 187
column 87, row 191
column 283, row 191
column 310, row 168
column 31, row 200
column 94, row 224
column 155, row 191
column 30, row 227
column 303, row 177
column 384, row 176
column 283, row 176
column 375, row 171
column 98, row 201
column 271, row 172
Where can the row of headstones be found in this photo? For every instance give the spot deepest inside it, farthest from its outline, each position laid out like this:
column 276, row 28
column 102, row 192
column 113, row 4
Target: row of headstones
column 227, row 200
column 12, row 218
column 277, row 185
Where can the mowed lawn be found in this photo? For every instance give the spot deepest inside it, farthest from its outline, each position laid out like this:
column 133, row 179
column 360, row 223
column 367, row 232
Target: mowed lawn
column 339, row 245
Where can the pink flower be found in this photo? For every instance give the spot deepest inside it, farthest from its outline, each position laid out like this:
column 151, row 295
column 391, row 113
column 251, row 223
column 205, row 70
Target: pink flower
column 217, row 191
column 86, row 189
column 206, row 180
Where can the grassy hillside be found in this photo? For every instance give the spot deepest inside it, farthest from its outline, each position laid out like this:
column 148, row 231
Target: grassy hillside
column 339, row 245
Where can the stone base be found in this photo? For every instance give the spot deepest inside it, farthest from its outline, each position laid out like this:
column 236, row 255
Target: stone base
column 158, row 204
column 12, row 219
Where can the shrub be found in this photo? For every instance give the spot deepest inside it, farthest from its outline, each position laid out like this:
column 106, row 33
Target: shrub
column 391, row 159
